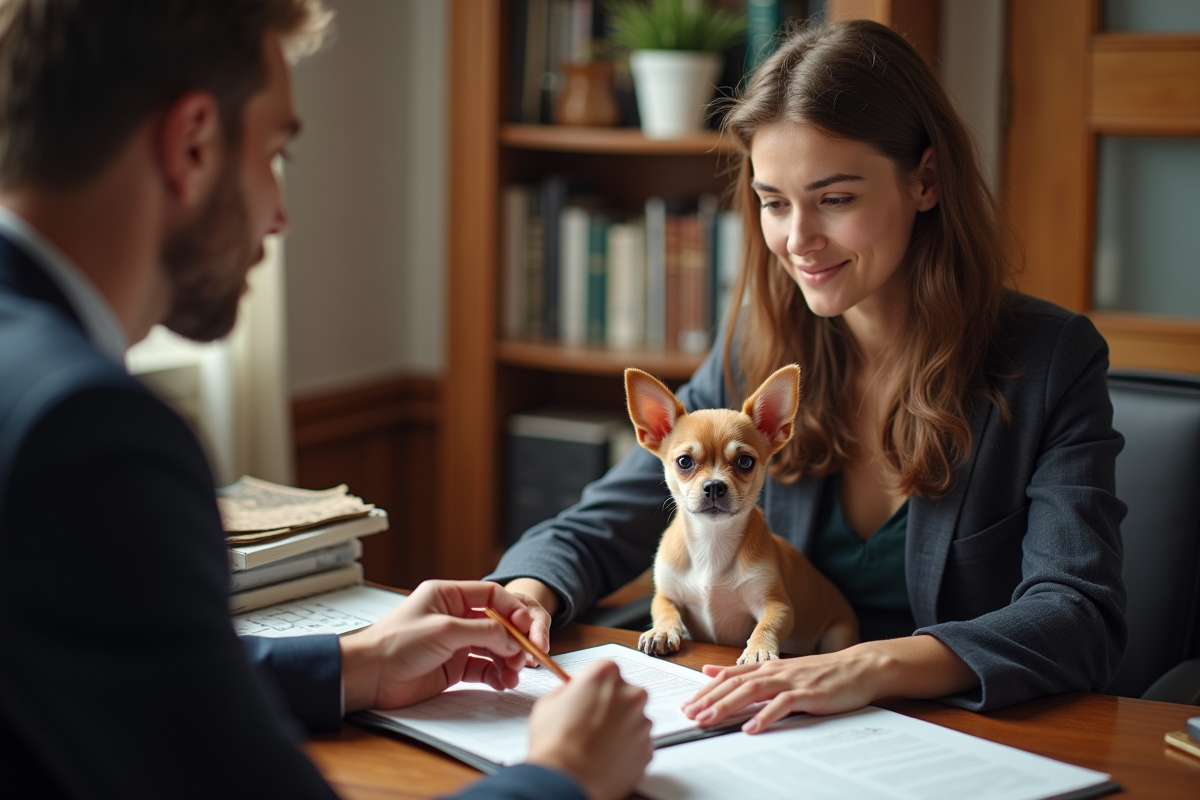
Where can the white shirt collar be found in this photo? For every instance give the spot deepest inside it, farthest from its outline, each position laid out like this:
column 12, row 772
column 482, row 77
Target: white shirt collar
column 99, row 321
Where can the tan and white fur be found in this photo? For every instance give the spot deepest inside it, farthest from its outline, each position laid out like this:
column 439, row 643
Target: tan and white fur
column 720, row 575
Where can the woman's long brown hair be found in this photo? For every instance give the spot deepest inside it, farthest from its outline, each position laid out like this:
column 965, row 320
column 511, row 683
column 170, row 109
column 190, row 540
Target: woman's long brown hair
column 862, row 82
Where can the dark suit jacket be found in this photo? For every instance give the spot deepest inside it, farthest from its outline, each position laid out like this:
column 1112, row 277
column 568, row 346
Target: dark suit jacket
column 107, row 515
column 1018, row 569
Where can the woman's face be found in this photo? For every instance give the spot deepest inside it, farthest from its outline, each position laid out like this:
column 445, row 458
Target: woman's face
column 837, row 215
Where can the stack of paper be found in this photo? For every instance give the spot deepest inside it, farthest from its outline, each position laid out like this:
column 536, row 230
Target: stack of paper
column 869, row 754
column 286, row 543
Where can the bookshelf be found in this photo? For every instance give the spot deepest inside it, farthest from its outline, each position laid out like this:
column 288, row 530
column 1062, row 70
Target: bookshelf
column 488, row 378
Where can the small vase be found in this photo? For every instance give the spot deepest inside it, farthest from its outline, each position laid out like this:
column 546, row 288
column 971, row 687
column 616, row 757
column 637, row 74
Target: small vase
column 587, row 98
column 674, row 88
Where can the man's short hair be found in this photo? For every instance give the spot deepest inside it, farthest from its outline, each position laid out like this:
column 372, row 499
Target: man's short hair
column 78, row 76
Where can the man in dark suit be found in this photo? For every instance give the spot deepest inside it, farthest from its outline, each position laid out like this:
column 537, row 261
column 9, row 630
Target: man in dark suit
column 136, row 186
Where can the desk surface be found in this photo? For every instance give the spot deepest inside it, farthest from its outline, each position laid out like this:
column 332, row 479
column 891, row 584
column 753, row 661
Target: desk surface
column 1116, row 735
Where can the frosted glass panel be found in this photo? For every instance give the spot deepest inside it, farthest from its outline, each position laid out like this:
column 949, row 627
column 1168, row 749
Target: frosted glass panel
column 1148, row 225
column 1151, row 16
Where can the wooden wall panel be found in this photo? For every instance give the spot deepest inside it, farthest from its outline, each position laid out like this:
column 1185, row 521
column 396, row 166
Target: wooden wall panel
column 1134, row 86
column 1047, row 192
column 381, row 440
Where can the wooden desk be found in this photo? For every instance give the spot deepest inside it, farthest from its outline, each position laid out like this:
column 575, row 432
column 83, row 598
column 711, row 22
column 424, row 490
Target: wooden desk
column 1111, row 734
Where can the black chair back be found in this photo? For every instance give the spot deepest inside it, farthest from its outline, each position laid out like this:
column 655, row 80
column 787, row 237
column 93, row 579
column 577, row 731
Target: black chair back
column 1158, row 477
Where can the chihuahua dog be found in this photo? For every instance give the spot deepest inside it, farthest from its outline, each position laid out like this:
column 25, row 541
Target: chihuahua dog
column 720, row 575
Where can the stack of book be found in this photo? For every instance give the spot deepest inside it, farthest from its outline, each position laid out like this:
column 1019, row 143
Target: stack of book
column 286, row 543
column 579, row 275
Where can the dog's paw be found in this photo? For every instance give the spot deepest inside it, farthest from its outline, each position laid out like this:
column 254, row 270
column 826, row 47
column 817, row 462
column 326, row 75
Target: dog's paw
column 660, row 641
column 752, row 655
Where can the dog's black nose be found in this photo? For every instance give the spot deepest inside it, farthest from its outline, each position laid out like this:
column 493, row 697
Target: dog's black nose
column 713, row 489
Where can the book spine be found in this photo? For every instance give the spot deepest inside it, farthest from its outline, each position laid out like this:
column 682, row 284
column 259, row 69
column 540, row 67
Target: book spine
column 518, row 30
column 295, row 567
column 671, row 251
column 516, row 266
column 535, row 256
column 535, row 46
column 626, row 285
column 656, row 273
column 250, row 556
column 697, row 335
column 580, row 49
column 710, row 215
column 554, row 198
column 693, row 332
column 558, row 35
column 762, row 22
column 597, row 288
column 340, row 578
column 729, row 259
column 573, row 260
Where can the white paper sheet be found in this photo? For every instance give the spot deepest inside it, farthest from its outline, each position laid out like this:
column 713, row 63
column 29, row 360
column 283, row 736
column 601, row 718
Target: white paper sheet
column 871, row 754
column 492, row 725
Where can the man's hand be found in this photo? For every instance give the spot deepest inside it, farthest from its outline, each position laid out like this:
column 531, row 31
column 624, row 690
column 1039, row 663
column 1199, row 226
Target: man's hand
column 541, row 602
column 595, row 730
column 432, row 641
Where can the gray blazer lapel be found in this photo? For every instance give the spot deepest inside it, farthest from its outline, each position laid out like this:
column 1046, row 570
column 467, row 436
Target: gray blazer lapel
column 931, row 526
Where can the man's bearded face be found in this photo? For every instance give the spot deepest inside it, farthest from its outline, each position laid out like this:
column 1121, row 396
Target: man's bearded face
column 207, row 260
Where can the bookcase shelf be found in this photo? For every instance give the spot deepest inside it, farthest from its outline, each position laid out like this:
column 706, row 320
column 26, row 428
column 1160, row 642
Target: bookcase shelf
column 611, row 141
column 666, row 364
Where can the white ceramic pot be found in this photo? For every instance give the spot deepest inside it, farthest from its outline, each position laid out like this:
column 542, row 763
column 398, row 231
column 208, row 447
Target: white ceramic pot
column 673, row 89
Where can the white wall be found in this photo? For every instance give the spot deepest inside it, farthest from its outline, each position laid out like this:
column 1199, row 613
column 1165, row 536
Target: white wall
column 365, row 189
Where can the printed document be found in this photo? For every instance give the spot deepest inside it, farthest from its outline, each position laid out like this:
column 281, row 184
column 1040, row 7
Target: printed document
column 487, row 728
column 870, row 754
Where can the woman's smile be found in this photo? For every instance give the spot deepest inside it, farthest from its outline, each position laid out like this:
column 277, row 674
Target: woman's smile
column 819, row 273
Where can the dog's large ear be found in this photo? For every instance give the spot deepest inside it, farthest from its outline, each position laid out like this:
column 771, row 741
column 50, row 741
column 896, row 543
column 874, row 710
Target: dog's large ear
column 774, row 405
column 652, row 407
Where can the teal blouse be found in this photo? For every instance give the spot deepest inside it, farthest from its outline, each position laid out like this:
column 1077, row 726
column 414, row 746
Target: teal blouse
column 869, row 573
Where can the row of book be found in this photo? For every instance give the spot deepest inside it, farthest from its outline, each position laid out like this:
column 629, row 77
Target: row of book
column 578, row 274
column 545, row 34
column 286, row 543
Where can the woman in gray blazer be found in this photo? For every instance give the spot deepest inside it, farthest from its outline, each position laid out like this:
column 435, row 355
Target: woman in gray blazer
column 952, row 465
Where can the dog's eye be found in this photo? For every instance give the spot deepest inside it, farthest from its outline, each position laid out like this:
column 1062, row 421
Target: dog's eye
column 745, row 463
column 685, row 463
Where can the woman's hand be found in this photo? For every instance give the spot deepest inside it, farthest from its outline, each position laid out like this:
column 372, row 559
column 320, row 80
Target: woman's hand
column 831, row 683
column 431, row 641
column 825, row 684
column 595, row 730
column 541, row 602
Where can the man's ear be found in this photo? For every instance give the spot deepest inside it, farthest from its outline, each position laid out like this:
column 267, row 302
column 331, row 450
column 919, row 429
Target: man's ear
column 927, row 191
column 774, row 405
column 191, row 146
column 652, row 407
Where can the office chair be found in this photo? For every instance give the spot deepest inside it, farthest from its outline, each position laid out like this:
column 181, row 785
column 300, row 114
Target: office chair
column 1158, row 477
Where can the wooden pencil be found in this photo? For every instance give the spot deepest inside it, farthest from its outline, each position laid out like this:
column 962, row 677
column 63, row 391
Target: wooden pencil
column 528, row 646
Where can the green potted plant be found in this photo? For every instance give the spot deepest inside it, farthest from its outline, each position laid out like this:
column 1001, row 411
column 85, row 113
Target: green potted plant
column 675, row 54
